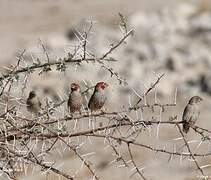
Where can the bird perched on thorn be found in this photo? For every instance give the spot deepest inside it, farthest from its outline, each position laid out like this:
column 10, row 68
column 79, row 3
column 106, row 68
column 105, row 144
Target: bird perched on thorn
column 33, row 103
column 191, row 113
column 98, row 98
column 75, row 100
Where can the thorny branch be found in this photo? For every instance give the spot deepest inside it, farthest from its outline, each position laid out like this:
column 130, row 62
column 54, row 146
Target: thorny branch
column 33, row 139
column 189, row 149
column 134, row 164
column 117, row 45
column 147, row 92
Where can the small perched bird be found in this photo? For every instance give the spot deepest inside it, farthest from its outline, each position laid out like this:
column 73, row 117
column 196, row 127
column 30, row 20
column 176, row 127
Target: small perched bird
column 191, row 113
column 98, row 98
column 75, row 99
column 33, row 103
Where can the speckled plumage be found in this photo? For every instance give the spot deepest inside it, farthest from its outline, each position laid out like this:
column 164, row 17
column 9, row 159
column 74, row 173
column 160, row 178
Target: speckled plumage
column 191, row 113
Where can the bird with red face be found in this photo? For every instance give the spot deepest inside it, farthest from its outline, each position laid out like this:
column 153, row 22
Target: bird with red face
column 75, row 100
column 98, row 98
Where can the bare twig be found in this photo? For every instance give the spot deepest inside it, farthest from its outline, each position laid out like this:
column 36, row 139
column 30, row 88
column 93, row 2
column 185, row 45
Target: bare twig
column 117, row 45
column 148, row 90
column 134, row 164
column 189, row 149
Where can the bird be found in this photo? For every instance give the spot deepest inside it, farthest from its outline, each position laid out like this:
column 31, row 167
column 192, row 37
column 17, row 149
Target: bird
column 99, row 97
column 191, row 113
column 33, row 103
column 75, row 100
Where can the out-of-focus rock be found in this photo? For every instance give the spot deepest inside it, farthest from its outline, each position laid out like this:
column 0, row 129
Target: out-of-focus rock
column 200, row 23
column 205, row 83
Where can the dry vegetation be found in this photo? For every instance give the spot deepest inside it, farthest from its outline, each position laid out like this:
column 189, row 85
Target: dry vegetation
column 36, row 143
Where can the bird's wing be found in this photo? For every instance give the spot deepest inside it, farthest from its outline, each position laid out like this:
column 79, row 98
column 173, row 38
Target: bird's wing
column 28, row 102
column 90, row 101
column 187, row 114
column 69, row 100
column 40, row 104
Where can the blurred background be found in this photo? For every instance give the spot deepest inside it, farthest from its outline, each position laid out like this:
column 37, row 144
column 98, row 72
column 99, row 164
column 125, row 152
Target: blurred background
column 22, row 23
column 171, row 37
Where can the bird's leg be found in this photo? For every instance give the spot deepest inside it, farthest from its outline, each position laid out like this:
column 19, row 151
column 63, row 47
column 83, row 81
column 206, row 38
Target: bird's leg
column 70, row 115
column 35, row 117
column 86, row 109
column 80, row 112
column 75, row 125
column 92, row 122
column 103, row 111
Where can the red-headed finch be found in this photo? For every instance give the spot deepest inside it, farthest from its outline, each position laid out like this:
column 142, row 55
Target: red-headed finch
column 98, row 98
column 33, row 103
column 191, row 113
column 75, row 100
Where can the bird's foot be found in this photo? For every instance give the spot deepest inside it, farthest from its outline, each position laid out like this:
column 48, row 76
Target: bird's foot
column 69, row 116
column 102, row 111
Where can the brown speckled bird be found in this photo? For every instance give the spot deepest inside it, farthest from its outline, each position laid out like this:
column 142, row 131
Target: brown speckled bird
column 191, row 113
column 75, row 99
column 98, row 98
column 33, row 103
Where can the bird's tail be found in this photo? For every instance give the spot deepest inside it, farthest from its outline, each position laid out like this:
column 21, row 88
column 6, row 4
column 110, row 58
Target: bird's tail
column 186, row 127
